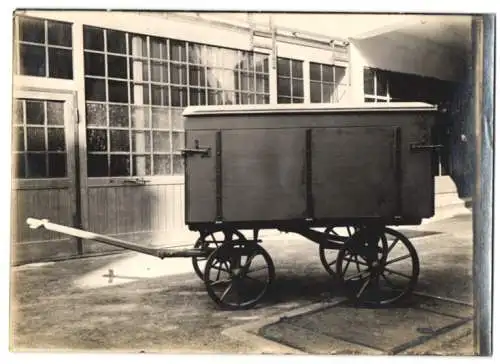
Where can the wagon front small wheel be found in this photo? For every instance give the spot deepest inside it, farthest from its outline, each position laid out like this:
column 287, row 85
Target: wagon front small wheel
column 238, row 276
column 328, row 256
column 209, row 241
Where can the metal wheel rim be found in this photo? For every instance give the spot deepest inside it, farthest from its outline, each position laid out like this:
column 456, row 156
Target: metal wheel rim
column 370, row 279
column 228, row 285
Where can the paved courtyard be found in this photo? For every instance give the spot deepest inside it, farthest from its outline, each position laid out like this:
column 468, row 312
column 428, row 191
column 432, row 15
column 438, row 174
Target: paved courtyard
column 132, row 303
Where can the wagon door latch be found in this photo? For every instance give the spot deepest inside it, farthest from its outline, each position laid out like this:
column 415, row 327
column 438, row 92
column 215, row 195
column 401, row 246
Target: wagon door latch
column 203, row 151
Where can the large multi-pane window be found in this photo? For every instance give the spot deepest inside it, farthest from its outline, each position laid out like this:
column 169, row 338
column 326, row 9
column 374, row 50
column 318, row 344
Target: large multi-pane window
column 44, row 48
column 137, row 86
column 290, row 81
column 328, row 83
column 39, row 145
column 376, row 85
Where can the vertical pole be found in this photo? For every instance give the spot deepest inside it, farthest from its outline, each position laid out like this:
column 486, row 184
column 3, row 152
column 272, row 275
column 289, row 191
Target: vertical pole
column 483, row 54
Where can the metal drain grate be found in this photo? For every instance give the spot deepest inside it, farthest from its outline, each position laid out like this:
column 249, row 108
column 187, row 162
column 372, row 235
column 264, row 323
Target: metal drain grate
column 344, row 329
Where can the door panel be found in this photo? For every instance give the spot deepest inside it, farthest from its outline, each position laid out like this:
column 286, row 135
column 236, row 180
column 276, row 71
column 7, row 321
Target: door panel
column 201, row 182
column 44, row 183
column 354, row 172
column 263, row 174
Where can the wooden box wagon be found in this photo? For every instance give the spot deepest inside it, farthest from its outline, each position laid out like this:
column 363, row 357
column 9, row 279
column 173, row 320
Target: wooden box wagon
column 336, row 175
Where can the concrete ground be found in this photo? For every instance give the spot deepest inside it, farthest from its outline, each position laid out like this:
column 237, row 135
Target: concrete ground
column 132, row 303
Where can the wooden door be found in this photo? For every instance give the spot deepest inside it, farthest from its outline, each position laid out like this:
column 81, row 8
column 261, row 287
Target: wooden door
column 43, row 171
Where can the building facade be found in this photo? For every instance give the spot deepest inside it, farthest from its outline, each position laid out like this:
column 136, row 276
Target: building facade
column 98, row 98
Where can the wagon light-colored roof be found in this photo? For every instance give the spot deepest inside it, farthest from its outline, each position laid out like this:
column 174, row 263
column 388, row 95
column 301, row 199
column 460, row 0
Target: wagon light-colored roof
column 307, row 108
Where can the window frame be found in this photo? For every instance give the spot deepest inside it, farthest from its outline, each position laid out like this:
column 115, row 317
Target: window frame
column 375, row 96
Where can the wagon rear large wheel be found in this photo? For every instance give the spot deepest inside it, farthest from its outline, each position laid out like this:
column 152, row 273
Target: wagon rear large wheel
column 237, row 276
column 378, row 266
column 328, row 256
column 209, row 241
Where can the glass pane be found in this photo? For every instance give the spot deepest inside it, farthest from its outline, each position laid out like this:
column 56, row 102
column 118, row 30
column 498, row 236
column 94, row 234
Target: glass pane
column 298, row 100
column 60, row 63
column 229, row 98
column 59, row 33
column 31, row 30
column 117, row 91
column 159, row 95
column 95, row 114
column 260, row 85
column 161, row 164
column 141, row 165
column 36, row 166
column 118, row 116
column 284, row 100
column 283, row 67
column 179, row 96
column 97, row 165
column 259, row 62
column 56, row 140
column 94, row 64
column 18, row 139
column 177, row 142
column 161, row 141
column 119, row 140
column 97, row 140
column 315, row 91
column 141, row 142
column 369, row 99
column 18, row 112
column 55, row 113
column 297, row 71
column 145, row 71
column 116, row 41
column 284, row 87
column 315, row 71
column 327, row 73
column 369, row 80
column 119, row 165
column 57, row 165
column 95, row 90
column 20, row 166
column 381, row 84
column 93, row 38
column 298, row 88
column 157, row 47
column 138, row 45
column 177, row 50
column 160, row 118
column 328, row 93
column 117, row 67
column 215, row 97
column 156, row 69
column 177, row 119
column 32, row 60
column 178, row 165
column 194, row 96
column 194, row 53
column 140, row 117
column 35, row 114
column 195, row 75
column 139, row 93
column 178, row 74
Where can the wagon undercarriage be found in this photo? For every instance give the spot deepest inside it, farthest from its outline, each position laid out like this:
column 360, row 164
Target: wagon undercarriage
column 374, row 264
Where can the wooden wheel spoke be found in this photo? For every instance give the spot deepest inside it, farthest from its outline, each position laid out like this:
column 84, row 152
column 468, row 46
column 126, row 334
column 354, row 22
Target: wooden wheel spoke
column 357, row 261
column 363, row 288
column 226, row 291
column 333, row 262
column 398, row 259
column 392, row 245
column 398, row 273
column 256, row 270
column 222, row 281
column 358, row 274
